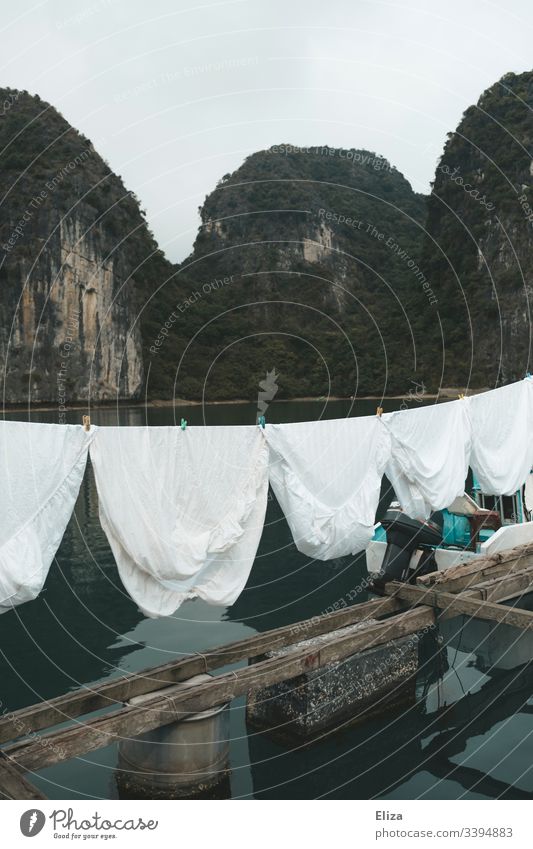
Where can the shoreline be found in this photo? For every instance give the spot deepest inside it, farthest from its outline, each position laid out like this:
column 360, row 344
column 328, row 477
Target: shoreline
column 447, row 394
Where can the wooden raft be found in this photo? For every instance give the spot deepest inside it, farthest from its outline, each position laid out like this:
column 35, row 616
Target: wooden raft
column 125, row 720
column 475, row 589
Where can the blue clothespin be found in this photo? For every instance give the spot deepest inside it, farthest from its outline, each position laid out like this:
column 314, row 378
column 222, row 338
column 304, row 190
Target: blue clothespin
column 261, row 421
column 183, row 424
column 528, row 374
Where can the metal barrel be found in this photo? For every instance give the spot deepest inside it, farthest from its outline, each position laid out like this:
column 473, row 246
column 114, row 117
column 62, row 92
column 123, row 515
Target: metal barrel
column 186, row 758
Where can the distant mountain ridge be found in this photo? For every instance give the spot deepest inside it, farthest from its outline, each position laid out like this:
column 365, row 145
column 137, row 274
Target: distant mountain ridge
column 479, row 246
column 317, row 264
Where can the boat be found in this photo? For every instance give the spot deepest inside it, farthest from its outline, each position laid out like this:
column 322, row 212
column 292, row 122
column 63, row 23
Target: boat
column 474, row 525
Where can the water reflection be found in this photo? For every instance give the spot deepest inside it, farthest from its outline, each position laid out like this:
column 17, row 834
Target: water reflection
column 72, row 633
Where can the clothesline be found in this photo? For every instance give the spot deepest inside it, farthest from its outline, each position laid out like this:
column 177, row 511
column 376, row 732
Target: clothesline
column 183, row 508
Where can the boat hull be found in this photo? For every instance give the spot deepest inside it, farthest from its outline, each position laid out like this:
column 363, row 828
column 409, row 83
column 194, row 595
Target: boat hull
column 505, row 538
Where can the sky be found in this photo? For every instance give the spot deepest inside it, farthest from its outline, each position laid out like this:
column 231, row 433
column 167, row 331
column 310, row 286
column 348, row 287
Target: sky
column 176, row 93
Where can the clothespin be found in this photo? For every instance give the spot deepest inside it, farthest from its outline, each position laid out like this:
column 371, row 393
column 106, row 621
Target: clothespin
column 86, row 423
column 261, row 421
column 461, row 397
column 528, row 374
column 183, row 424
column 379, row 411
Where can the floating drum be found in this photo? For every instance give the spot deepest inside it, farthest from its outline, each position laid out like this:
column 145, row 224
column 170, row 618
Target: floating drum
column 348, row 691
column 186, row 759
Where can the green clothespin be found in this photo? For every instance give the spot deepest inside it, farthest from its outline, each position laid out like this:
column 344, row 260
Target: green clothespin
column 183, row 424
column 261, row 421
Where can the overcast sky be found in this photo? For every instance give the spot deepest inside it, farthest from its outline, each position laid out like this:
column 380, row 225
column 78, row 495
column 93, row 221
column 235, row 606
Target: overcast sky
column 175, row 93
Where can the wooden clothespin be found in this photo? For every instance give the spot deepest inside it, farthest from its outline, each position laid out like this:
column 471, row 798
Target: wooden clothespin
column 379, row 411
column 461, row 397
column 86, row 423
column 183, row 424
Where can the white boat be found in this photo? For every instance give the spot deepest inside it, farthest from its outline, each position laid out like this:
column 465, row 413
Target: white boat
column 473, row 526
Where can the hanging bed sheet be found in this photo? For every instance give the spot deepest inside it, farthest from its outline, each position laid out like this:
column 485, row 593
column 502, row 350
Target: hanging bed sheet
column 502, row 437
column 183, row 510
column 430, row 454
column 41, row 469
column 326, row 476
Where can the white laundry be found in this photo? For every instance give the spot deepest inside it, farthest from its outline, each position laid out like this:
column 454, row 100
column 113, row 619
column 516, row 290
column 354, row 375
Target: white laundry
column 326, row 476
column 183, row 510
column 430, row 454
column 502, row 437
column 41, row 469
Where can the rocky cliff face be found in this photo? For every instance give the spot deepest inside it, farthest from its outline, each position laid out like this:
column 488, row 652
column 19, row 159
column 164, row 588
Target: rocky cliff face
column 321, row 250
column 320, row 265
column 75, row 258
column 479, row 250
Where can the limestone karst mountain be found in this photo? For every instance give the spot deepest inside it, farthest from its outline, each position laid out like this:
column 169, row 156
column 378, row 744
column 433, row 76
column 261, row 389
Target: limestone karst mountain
column 75, row 258
column 479, row 248
column 320, row 265
column 319, row 250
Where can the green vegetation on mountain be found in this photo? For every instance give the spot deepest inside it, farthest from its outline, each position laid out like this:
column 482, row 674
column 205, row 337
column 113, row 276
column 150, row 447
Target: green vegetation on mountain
column 479, row 248
column 319, row 250
column 76, row 262
column 319, row 263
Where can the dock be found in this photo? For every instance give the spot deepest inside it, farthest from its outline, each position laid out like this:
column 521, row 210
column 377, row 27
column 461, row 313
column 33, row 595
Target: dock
column 489, row 588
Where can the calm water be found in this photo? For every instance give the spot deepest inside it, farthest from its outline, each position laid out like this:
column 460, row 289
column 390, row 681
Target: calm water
column 469, row 735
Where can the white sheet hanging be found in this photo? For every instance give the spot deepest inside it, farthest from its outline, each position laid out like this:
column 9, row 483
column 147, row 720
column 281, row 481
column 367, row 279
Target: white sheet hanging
column 41, row 468
column 326, row 476
column 429, row 456
column 183, row 510
column 502, row 437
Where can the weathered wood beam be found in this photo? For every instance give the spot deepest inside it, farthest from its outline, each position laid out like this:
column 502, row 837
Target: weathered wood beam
column 457, row 583
column 462, row 603
column 510, row 585
column 460, row 577
column 13, row 785
column 165, row 708
column 108, row 693
column 500, row 589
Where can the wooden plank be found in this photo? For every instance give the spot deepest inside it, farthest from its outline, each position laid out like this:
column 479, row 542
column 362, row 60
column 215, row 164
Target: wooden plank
column 13, row 785
column 497, row 589
column 460, row 582
column 457, row 577
column 453, row 605
column 508, row 586
column 105, row 694
column 165, row 708
column 503, row 588
column 508, row 557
